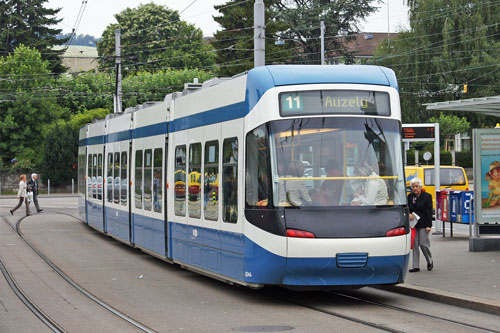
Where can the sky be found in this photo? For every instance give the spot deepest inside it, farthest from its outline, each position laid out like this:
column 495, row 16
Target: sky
column 98, row 15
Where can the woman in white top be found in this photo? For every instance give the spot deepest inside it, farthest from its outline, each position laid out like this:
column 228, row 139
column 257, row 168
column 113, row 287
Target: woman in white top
column 375, row 189
column 22, row 196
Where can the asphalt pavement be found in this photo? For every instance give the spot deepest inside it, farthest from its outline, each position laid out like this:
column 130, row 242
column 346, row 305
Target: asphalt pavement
column 461, row 278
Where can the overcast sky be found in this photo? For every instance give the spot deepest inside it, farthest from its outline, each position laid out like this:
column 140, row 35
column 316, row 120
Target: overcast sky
column 98, row 14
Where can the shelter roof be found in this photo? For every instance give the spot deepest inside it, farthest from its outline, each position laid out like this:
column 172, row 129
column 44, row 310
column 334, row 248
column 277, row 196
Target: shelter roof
column 484, row 105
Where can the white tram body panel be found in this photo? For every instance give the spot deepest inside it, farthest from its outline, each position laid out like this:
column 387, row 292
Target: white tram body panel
column 116, row 189
column 95, row 154
column 215, row 175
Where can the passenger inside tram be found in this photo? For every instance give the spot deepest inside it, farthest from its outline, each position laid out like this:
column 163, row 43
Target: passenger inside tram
column 293, row 191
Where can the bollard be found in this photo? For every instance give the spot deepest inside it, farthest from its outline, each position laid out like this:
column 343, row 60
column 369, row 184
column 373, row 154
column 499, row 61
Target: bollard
column 72, row 186
column 48, row 186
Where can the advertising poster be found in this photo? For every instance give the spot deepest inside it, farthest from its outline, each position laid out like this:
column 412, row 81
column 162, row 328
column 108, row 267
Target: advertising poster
column 487, row 175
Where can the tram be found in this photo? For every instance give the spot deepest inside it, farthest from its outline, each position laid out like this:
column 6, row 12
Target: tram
column 287, row 175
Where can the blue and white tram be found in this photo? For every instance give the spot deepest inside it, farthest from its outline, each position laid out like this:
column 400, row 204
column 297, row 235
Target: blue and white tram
column 286, row 175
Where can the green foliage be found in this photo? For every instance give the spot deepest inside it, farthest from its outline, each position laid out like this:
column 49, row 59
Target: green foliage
column 28, row 22
column 144, row 86
column 449, row 44
column 86, row 91
column 60, row 155
column 153, row 37
column 449, row 125
column 462, row 159
column 304, row 16
column 27, row 102
column 60, row 152
column 235, row 42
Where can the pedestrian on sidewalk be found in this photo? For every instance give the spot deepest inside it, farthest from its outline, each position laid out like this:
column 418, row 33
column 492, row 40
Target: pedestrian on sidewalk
column 22, row 196
column 33, row 187
column 420, row 205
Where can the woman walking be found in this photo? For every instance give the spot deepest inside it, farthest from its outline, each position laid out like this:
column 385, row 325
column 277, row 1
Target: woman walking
column 22, row 196
column 420, row 205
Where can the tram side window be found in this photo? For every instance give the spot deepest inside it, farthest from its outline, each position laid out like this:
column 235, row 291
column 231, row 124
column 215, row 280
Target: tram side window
column 257, row 180
column 138, row 179
column 124, row 177
column 148, row 164
column 89, row 176
column 211, row 188
column 157, row 180
column 116, row 179
column 109, row 178
column 230, row 180
column 99, row 176
column 94, row 176
column 180, row 181
column 194, row 186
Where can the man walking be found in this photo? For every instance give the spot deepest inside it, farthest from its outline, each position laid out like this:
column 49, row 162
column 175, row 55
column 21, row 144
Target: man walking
column 33, row 185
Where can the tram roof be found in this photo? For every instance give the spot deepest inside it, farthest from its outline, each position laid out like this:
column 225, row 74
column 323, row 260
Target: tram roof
column 282, row 75
column 485, row 105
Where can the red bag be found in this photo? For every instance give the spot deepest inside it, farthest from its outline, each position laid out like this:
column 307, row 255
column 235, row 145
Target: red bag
column 413, row 233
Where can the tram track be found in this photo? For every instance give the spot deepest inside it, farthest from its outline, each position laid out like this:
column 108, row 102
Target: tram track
column 54, row 326
column 408, row 311
column 324, row 305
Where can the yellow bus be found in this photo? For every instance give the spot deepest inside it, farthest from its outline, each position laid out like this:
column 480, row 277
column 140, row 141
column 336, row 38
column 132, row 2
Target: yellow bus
column 450, row 177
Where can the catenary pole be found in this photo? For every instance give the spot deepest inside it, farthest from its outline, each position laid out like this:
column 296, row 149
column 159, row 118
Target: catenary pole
column 322, row 27
column 118, row 62
column 259, row 43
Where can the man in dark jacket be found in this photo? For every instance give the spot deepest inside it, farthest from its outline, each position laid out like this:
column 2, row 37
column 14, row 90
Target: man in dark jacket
column 33, row 186
column 420, row 205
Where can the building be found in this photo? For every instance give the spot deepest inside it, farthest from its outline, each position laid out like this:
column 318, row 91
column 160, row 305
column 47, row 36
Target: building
column 363, row 46
column 79, row 58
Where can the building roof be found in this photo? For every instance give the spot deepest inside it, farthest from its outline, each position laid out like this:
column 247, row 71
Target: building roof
column 78, row 51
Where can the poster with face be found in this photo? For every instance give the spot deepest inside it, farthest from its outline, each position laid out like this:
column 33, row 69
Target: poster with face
column 487, row 171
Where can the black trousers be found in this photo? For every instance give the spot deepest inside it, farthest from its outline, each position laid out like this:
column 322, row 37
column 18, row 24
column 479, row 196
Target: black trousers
column 35, row 201
column 26, row 202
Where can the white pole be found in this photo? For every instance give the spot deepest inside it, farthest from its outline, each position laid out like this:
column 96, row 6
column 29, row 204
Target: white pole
column 118, row 61
column 437, row 171
column 259, row 44
column 48, row 186
column 72, row 186
column 322, row 27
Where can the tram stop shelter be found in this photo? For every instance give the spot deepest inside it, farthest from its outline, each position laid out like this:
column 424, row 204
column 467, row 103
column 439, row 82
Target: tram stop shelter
column 485, row 231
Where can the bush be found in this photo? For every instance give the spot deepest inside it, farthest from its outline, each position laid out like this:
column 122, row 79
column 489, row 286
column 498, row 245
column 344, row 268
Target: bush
column 462, row 159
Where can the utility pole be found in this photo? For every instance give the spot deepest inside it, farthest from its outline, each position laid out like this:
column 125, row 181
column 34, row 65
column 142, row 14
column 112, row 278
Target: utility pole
column 259, row 43
column 322, row 27
column 118, row 62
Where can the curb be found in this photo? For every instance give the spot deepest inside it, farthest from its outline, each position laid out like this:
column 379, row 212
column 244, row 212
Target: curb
column 446, row 297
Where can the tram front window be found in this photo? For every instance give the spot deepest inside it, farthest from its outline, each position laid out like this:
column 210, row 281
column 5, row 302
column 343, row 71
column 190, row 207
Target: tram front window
column 336, row 162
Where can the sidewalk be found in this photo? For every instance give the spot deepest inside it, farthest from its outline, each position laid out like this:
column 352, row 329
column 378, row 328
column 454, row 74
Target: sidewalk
column 461, row 278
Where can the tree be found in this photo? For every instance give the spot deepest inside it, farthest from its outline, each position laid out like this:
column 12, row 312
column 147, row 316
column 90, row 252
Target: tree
column 27, row 102
column 234, row 44
column 449, row 44
column 145, row 86
column 28, row 22
column 449, row 125
column 60, row 152
column 153, row 37
column 304, row 17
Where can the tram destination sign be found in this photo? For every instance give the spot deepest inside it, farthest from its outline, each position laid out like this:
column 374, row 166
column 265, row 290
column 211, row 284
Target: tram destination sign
column 418, row 133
